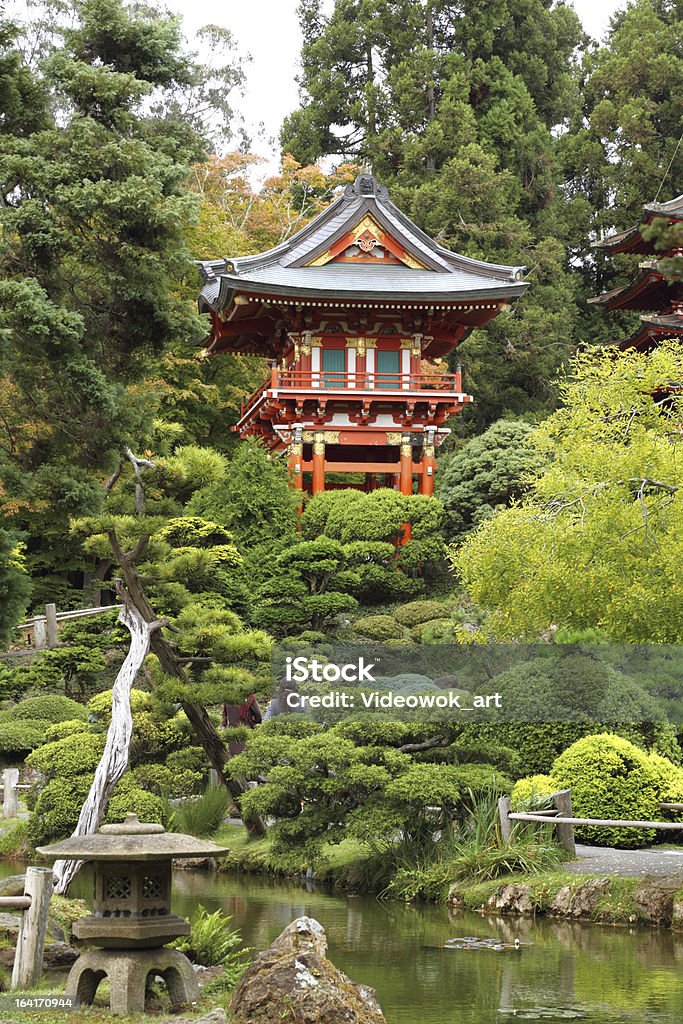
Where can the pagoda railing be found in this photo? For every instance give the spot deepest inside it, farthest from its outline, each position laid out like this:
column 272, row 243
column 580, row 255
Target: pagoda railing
column 351, row 381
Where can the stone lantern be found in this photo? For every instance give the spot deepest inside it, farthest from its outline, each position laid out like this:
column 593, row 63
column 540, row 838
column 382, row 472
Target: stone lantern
column 131, row 919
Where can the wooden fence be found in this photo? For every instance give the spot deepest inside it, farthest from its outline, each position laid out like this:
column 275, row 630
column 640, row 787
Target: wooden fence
column 561, row 817
column 42, row 630
column 34, row 906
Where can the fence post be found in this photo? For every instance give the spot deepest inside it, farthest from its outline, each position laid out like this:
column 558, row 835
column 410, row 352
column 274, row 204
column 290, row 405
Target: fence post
column 28, row 959
column 565, row 833
column 10, row 782
column 505, row 823
column 39, row 632
column 51, row 624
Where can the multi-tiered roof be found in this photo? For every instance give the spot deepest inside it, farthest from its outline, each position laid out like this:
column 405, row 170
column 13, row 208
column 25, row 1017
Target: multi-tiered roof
column 362, row 254
column 653, row 293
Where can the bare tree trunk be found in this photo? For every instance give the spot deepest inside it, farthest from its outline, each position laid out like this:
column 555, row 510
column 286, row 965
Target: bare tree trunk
column 114, row 760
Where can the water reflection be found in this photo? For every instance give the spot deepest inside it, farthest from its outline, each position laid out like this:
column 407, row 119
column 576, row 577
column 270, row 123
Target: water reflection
column 595, row 974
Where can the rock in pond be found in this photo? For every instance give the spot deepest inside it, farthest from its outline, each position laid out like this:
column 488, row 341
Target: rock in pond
column 294, row 980
column 13, row 885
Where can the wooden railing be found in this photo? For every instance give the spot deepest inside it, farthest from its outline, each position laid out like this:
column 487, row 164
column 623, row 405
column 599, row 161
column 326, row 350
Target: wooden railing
column 42, row 629
column 34, row 905
column 367, row 380
column 561, row 817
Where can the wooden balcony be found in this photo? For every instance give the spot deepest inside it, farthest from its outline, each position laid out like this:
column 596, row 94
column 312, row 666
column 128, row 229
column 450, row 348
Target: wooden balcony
column 290, row 392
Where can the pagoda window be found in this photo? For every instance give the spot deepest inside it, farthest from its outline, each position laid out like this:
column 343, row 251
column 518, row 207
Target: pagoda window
column 334, row 367
column 388, row 365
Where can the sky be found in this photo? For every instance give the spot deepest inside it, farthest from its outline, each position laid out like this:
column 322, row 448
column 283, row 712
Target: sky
column 269, row 31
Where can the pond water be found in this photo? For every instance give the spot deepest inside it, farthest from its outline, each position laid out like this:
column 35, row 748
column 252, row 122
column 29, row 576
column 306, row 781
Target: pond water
column 577, row 972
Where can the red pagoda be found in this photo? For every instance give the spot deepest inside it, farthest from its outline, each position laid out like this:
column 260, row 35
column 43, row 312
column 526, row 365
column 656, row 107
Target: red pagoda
column 355, row 311
column 658, row 299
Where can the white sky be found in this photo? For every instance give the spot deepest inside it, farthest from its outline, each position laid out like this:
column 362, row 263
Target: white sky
column 269, row 31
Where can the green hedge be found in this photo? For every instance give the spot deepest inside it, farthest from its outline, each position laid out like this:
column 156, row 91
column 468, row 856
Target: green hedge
column 57, row 809
column 69, row 757
column 610, row 778
column 18, row 737
column 129, row 798
column 49, row 708
column 533, row 791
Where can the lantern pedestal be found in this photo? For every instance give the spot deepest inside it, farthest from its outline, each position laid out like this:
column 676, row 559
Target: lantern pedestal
column 127, row 973
column 131, row 915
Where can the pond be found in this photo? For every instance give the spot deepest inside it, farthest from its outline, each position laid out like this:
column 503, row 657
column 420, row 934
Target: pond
column 577, row 972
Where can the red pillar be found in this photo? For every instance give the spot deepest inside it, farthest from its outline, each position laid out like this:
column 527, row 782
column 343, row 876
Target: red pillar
column 406, row 480
column 318, row 462
column 406, row 476
column 428, row 470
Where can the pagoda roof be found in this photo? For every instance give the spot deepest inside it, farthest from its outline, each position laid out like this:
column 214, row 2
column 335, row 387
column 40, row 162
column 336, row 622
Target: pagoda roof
column 652, row 329
column 649, row 290
column 631, row 240
column 313, row 263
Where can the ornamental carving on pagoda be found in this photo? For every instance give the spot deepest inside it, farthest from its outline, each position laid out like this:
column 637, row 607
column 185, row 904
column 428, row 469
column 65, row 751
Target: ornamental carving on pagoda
column 356, row 312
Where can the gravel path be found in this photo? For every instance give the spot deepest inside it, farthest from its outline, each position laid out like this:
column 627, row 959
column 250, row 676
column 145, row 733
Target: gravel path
column 600, row 860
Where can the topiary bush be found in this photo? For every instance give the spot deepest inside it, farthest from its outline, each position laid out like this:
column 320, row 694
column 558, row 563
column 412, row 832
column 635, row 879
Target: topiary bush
column 99, row 706
column 416, row 612
column 432, row 631
column 129, row 798
column 69, row 757
column 534, row 791
column 49, row 708
column 610, row 778
column 18, row 737
column 57, row 809
column 378, row 627
column 669, row 778
column 164, row 781
column 63, row 729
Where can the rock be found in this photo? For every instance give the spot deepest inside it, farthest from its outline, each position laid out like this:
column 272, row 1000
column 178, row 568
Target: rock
column 294, row 980
column 217, row 1016
column 13, row 885
column 654, row 897
column 511, row 899
column 580, row 900
column 454, row 899
column 196, row 864
column 9, row 923
column 677, row 911
column 59, row 954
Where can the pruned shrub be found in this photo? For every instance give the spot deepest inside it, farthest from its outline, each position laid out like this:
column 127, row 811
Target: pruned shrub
column 99, row 706
column 415, row 612
column 61, row 730
column 48, row 708
column 434, row 630
column 18, row 737
column 533, row 791
column 164, row 781
column 69, row 757
column 378, row 627
column 610, row 778
column 129, row 798
column 57, row 810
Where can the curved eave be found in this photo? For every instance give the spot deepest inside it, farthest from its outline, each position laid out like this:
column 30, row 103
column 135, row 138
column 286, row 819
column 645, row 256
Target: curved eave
column 219, row 299
column 648, row 291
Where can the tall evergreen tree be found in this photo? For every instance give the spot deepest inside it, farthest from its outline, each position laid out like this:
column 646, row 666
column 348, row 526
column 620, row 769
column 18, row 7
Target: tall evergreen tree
column 93, row 212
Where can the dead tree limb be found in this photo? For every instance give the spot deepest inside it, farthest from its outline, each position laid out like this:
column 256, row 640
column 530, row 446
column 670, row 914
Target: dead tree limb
column 115, row 756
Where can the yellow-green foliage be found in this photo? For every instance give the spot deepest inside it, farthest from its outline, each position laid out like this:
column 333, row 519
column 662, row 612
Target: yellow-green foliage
column 129, row 798
column 670, row 778
column 63, row 729
column 48, row 708
column 533, row 791
column 611, row 778
column 99, row 706
column 16, row 737
column 67, row 758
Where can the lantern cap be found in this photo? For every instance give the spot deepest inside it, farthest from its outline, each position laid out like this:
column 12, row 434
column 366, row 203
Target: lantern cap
column 130, row 840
